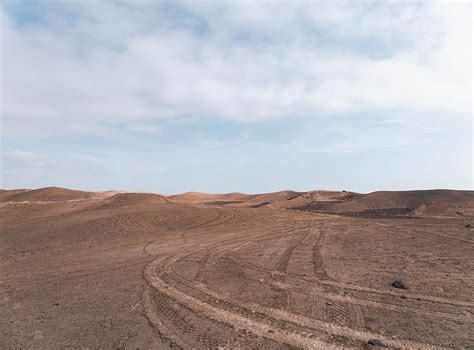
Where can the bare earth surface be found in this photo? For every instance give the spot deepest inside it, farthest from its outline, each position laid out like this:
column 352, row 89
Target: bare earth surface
column 275, row 271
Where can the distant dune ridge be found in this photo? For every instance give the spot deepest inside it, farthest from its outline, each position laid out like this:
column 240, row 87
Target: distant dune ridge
column 126, row 199
column 47, row 194
column 380, row 203
column 417, row 203
column 199, row 197
column 4, row 194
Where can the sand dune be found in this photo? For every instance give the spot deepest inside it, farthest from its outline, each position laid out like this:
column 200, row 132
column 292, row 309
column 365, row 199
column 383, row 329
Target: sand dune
column 197, row 271
column 311, row 197
column 386, row 203
column 199, row 197
column 280, row 199
column 128, row 199
column 4, row 194
column 268, row 199
column 409, row 203
column 413, row 203
column 47, row 194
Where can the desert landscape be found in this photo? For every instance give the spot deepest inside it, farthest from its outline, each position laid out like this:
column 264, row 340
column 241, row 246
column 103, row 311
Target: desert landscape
column 284, row 270
column 327, row 145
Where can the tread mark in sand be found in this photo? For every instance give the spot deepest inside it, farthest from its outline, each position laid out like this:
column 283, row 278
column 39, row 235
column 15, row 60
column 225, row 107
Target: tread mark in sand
column 182, row 334
column 199, row 274
column 334, row 289
column 282, row 297
column 339, row 290
column 282, row 264
column 286, row 327
column 318, row 266
column 338, row 312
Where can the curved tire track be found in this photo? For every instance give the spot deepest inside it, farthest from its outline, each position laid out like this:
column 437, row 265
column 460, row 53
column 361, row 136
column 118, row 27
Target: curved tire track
column 271, row 326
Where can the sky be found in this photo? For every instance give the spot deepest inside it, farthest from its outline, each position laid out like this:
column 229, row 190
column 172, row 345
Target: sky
column 224, row 96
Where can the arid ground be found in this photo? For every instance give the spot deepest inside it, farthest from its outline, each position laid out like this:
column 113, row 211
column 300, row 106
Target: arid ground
column 310, row 270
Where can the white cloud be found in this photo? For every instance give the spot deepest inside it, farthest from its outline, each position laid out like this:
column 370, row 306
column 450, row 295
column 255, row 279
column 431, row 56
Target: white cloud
column 127, row 63
column 28, row 159
column 88, row 171
column 143, row 128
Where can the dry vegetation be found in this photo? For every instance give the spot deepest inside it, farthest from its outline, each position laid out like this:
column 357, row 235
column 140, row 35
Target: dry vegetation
column 270, row 271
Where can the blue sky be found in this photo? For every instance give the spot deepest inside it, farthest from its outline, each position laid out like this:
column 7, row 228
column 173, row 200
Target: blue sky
column 175, row 96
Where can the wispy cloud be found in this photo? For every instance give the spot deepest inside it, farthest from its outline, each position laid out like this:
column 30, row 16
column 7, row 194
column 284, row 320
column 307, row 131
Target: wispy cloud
column 28, row 158
column 222, row 96
column 143, row 128
column 82, row 66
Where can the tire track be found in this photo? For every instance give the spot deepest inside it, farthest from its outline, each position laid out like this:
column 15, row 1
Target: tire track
column 250, row 340
column 278, row 322
column 338, row 312
column 337, row 292
column 221, row 309
column 425, row 232
column 199, row 274
column 318, row 264
column 344, row 316
column 282, row 298
column 337, row 285
column 282, row 263
column 181, row 326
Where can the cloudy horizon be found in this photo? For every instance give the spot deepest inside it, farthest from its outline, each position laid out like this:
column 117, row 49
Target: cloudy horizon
column 236, row 96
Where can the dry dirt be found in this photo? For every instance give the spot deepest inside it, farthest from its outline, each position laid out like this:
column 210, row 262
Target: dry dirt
column 128, row 271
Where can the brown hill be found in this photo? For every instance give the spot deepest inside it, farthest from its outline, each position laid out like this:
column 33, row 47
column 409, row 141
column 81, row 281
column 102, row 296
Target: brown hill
column 129, row 199
column 381, row 203
column 199, row 197
column 402, row 203
column 315, row 198
column 239, row 199
column 47, row 194
column 272, row 198
column 4, row 194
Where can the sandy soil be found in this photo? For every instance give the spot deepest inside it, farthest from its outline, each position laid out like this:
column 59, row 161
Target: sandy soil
column 149, row 272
